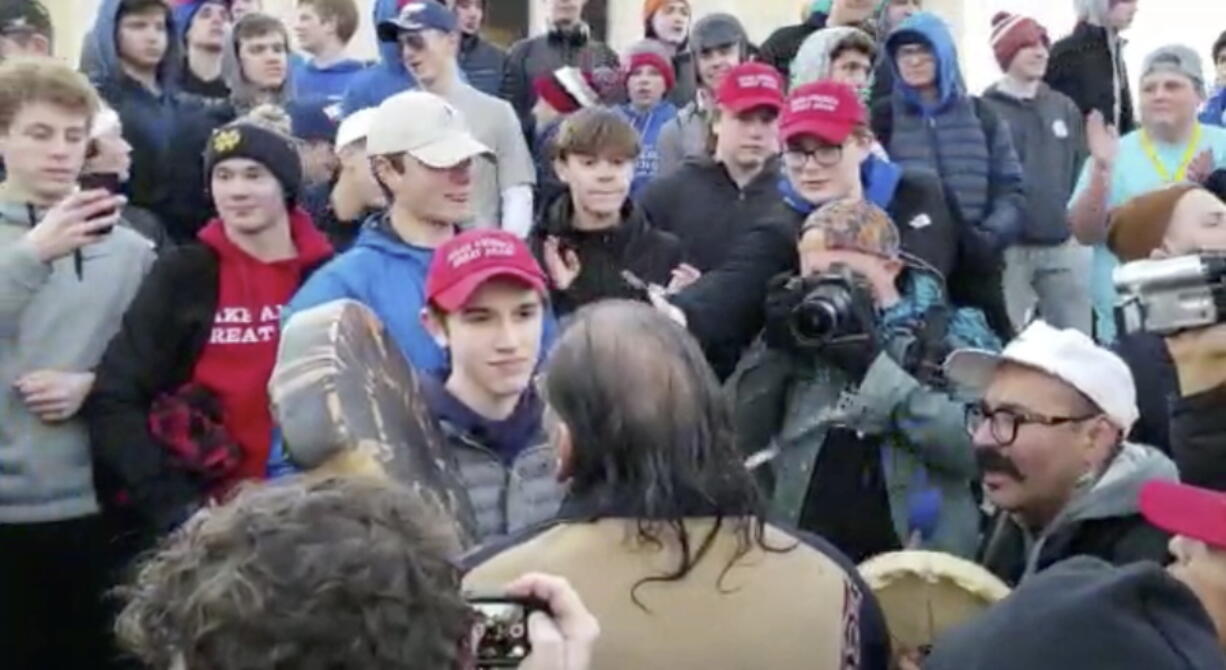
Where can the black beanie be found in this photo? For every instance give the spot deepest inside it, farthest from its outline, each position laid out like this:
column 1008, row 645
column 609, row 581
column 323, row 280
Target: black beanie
column 267, row 147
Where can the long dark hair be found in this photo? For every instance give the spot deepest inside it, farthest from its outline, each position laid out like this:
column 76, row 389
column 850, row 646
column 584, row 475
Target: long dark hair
column 652, row 431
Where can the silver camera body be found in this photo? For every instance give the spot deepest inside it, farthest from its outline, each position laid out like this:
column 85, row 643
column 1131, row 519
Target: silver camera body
column 1169, row 295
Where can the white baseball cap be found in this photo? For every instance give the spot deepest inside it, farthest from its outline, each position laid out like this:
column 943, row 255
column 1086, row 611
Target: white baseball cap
column 426, row 127
column 1068, row 355
column 354, row 128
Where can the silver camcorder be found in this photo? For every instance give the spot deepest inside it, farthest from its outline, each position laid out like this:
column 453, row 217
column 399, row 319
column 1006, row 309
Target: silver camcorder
column 1169, row 295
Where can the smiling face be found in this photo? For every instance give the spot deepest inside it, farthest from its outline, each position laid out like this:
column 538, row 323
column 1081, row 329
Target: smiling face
column 436, row 195
column 141, row 39
column 264, row 60
column 249, row 199
column 598, row 185
column 821, row 172
column 44, row 149
column 671, row 23
column 715, row 63
column 495, row 338
column 1030, row 63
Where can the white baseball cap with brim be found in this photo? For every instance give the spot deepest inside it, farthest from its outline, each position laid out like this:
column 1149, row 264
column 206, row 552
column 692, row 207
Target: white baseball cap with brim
column 354, row 127
column 1066, row 354
column 424, row 126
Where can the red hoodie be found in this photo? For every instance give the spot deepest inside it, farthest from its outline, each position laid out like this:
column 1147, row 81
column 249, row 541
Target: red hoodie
column 242, row 349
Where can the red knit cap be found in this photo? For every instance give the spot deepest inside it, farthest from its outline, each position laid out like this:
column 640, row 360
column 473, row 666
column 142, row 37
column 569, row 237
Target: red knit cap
column 1013, row 32
column 655, row 60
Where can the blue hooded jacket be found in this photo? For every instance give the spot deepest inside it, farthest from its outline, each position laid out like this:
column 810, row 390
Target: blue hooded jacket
column 382, row 80
column 648, row 124
column 962, row 139
column 1214, row 113
column 312, row 82
column 149, row 119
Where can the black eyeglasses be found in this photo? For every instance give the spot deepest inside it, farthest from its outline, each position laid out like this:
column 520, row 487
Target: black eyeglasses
column 823, row 156
column 1004, row 423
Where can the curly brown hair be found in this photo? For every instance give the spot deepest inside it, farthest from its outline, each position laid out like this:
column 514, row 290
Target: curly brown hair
column 340, row 573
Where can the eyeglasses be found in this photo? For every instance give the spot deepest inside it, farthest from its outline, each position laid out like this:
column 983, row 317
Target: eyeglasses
column 1004, row 423
column 824, row 156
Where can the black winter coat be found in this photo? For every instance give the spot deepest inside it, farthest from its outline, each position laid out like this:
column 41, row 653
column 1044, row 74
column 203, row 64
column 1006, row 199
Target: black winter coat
column 1153, row 372
column 483, row 64
column 1198, row 438
column 707, row 211
column 1117, row 540
column 164, row 332
column 632, row 245
column 191, row 207
column 724, row 308
column 780, row 48
column 1080, row 67
column 533, row 57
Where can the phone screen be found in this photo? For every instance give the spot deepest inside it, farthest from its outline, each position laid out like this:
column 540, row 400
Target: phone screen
column 500, row 631
column 107, row 181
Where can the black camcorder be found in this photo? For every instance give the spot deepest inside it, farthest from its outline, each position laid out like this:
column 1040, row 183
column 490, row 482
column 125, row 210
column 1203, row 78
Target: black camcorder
column 828, row 310
column 1170, row 295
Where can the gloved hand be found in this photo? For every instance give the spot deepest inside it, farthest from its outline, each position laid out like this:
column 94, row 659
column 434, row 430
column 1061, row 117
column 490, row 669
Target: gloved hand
column 783, row 294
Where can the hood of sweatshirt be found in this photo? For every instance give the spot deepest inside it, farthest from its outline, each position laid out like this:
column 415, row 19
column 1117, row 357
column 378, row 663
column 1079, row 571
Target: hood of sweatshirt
column 389, row 52
column 105, row 50
column 1093, row 11
column 243, row 94
column 313, row 247
column 929, row 29
column 1113, row 495
column 507, row 437
column 813, row 59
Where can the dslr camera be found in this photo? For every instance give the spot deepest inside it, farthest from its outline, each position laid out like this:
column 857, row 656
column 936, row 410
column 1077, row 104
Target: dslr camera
column 1169, row 295
column 831, row 309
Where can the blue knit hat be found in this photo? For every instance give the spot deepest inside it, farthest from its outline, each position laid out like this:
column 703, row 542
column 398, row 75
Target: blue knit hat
column 185, row 12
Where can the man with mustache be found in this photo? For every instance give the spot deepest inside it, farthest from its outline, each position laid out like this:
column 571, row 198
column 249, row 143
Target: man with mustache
column 1049, row 438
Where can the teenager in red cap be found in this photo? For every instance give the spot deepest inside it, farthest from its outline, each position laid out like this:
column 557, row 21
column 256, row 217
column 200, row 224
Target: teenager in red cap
column 486, row 306
column 649, row 77
column 1047, row 269
column 666, row 26
column 708, row 202
column 827, row 156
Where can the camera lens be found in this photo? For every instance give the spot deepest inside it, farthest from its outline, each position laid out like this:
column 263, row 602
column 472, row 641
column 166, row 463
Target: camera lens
column 816, row 320
column 823, row 314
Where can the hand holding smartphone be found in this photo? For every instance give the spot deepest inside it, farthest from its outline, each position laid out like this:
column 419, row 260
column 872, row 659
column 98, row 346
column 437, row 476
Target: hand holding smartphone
column 500, row 630
column 105, row 181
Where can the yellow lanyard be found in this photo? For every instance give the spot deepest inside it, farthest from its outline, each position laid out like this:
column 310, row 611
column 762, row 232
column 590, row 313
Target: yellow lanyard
column 1188, row 156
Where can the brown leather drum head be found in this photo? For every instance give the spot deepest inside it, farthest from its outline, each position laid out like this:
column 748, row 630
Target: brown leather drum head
column 348, row 402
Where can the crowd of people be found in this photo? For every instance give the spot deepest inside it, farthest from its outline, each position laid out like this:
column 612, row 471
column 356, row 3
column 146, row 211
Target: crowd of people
column 685, row 332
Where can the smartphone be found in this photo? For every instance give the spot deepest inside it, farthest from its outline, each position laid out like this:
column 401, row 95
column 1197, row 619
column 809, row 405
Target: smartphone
column 107, row 181
column 500, row 629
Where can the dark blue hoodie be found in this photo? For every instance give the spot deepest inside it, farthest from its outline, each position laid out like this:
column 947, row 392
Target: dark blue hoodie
column 330, row 83
column 382, row 80
column 950, row 135
column 149, row 119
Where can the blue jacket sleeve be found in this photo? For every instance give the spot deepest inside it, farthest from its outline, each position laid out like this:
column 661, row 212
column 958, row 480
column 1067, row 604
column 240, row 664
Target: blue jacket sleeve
column 324, row 286
column 279, row 464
